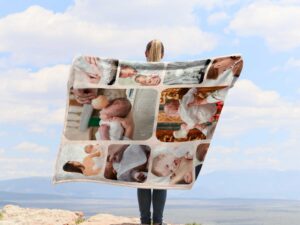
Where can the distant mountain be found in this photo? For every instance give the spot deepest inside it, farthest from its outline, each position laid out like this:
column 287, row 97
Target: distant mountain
column 254, row 184
column 226, row 184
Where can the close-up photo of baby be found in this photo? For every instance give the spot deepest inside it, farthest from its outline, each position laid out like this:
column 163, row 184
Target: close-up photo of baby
column 173, row 163
column 192, row 114
column 93, row 70
column 127, row 163
column 89, row 165
column 109, row 127
column 129, row 75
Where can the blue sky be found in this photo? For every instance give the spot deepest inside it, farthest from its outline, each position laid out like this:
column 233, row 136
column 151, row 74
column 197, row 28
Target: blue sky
column 260, row 124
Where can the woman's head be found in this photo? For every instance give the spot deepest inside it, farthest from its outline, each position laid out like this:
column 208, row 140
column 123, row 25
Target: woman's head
column 154, row 51
column 73, row 166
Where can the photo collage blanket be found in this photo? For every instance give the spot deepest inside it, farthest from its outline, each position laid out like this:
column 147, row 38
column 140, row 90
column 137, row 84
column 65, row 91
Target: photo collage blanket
column 142, row 124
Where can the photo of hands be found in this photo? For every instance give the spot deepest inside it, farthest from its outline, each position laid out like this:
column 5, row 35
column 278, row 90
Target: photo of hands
column 141, row 74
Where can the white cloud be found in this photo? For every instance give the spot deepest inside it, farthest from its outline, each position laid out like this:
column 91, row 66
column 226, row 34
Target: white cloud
column 45, row 80
column 16, row 167
column 263, row 129
column 139, row 13
column 276, row 22
column 40, row 37
column 217, row 17
column 212, row 4
column 223, row 149
column 249, row 108
column 292, row 63
column 31, row 147
column 34, row 97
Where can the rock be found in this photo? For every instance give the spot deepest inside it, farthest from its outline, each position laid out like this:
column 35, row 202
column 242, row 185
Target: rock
column 16, row 215
column 107, row 219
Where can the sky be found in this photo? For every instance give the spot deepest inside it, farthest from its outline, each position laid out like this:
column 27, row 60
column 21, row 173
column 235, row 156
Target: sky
column 260, row 123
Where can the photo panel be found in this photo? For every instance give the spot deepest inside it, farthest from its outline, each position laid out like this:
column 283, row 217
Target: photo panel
column 81, row 161
column 127, row 163
column 224, row 71
column 187, row 114
column 185, row 72
column 93, row 72
column 140, row 74
column 110, row 114
column 201, row 152
column 172, row 164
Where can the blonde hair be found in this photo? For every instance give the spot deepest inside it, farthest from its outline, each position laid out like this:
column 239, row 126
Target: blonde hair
column 154, row 51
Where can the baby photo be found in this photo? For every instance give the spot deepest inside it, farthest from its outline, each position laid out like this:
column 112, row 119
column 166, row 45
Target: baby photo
column 92, row 72
column 173, row 164
column 187, row 114
column 81, row 161
column 140, row 74
column 201, row 152
column 185, row 72
column 127, row 163
column 110, row 114
column 224, row 71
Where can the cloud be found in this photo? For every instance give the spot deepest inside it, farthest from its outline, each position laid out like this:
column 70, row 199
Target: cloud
column 258, row 129
column 274, row 154
column 275, row 22
column 40, row 37
column 292, row 63
column 39, row 82
column 212, row 4
column 264, row 108
column 224, row 149
column 34, row 97
column 217, row 17
column 31, row 147
column 16, row 167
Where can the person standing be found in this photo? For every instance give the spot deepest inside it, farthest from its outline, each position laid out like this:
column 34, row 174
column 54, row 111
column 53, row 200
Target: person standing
column 154, row 53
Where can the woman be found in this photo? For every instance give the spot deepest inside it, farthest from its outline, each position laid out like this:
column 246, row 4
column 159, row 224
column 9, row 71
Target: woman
column 154, row 53
column 88, row 167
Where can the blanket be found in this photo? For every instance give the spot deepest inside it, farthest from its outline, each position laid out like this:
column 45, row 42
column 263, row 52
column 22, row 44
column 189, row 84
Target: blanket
column 142, row 124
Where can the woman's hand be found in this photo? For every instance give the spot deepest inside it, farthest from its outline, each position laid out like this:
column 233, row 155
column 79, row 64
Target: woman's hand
column 127, row 123
column 115, row 153
column 84, row 96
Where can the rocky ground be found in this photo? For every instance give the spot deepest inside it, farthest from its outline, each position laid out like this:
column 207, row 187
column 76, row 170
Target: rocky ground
column 15, row 215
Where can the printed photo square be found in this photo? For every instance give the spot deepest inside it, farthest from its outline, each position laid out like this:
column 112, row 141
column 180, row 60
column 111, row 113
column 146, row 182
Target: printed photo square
column 110, row 114
column 81, row 161
column 92, row 72
column 185, row 72
column 140, row 74
column 223, row 71
column 127, row 163
column 201, row 152
column 187, row 114
column 172, row 164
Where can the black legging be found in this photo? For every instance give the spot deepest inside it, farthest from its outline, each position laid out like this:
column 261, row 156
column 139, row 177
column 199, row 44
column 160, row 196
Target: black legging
column 158, row 199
